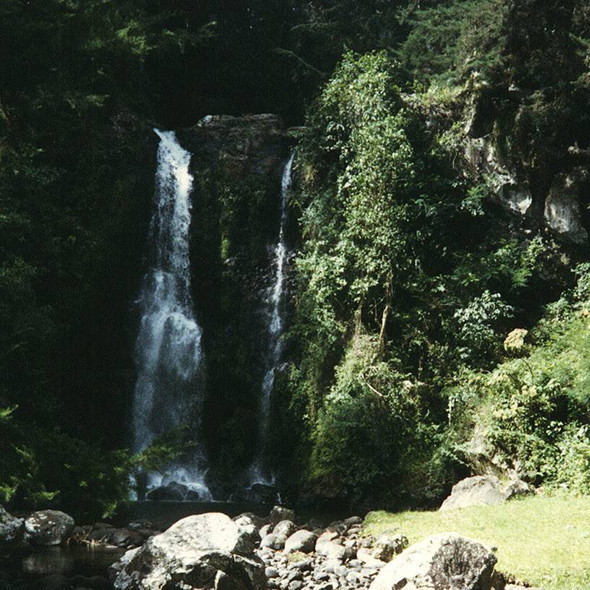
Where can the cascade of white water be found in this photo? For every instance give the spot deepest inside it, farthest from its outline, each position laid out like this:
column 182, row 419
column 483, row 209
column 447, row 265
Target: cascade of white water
column 275, row 327
column 168, row 349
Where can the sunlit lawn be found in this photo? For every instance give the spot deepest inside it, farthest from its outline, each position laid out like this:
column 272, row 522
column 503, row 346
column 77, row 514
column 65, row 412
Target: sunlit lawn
column 543, row 541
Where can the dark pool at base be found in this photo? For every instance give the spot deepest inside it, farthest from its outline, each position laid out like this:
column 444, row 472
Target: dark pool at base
column 70, row 561
column 95, row 560
column 164, row 514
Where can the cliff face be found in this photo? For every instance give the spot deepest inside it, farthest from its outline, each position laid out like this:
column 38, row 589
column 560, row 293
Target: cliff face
column 237, row 165
column 545, row 184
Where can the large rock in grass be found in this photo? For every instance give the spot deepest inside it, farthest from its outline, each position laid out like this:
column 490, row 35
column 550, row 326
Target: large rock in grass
column 11, row 530
column 48, row 527
column 481, row 490
column 484, row 490
column 203, row 551
column 441, row 562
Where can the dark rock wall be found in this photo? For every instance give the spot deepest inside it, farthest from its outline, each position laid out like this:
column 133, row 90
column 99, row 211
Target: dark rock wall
column 237, row 166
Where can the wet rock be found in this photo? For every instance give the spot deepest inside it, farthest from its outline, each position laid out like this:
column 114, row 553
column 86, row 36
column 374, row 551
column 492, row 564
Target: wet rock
column 11, row 530
column 237, row 145
column 441, row 561
column 264, row 494
column 192, row 552
column 172, row 492
column 314, row 523
column 100, row 536
column 48, row 527
column 353, row 520
column 279, row 513
column 146, row 533
column 193, row 496
column 303, row 541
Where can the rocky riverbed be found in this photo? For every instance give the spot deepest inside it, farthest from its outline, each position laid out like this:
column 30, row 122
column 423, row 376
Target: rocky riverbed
column 278, row 552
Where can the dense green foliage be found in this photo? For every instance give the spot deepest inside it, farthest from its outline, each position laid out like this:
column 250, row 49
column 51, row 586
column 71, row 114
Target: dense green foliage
column 408, row 274
column 401, row 287
column 530, row 415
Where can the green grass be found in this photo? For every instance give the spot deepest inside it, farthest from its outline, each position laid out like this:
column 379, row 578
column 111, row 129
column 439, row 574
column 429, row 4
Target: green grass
column 543, row 541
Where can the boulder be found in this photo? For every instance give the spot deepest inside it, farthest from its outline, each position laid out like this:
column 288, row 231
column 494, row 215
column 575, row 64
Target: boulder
column 386, row 546
column 249, row 531
column 172, row 492
column 279, row 513
column 517, row 489
column 484, row 490
column 331, row 550
column 365, row 556
column 264, row 494
column 273, row 542
column 353, row 520
column 203, row 551
column 123, row 538
column 11, row 530
column 48, row 527
column 254, row 519
column 285, row 528
column 337, row 526
column 446, row 561
column 303, row 541
column 480, row 490
column 327, row 537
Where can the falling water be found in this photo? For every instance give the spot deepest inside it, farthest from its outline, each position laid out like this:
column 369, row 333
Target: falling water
column 168, row 349
column 275, row 327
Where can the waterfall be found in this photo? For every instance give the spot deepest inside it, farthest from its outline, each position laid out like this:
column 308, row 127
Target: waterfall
column 168, row 351
column 275, row 326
